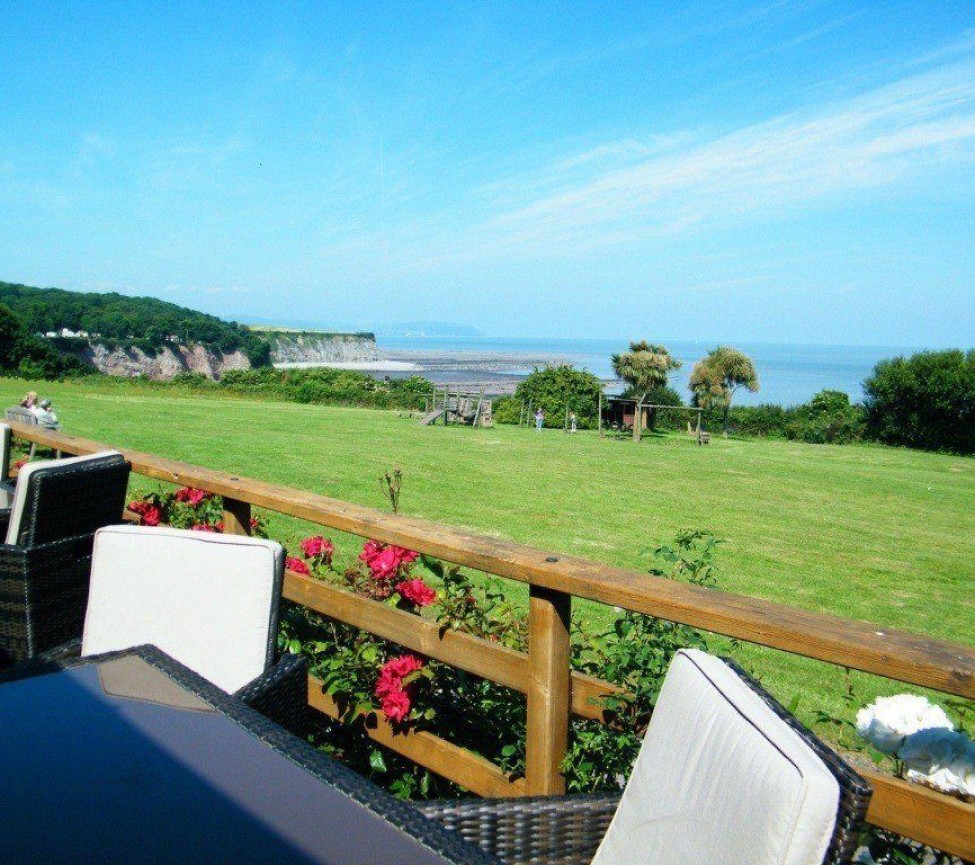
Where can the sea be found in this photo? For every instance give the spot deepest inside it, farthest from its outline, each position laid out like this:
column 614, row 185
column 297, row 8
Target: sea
column 788, row 374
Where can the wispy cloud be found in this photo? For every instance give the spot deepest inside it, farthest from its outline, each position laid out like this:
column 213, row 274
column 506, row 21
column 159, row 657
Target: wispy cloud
column 914, row 127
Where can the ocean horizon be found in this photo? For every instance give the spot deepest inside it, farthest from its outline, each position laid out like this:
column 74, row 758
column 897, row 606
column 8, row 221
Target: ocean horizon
column 788, row 374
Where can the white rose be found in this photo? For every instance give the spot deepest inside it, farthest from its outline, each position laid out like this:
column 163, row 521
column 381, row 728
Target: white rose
column 941, row 759
column 888, row 720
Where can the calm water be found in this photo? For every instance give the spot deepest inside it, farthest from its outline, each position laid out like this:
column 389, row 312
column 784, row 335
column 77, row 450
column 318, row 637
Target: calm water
column 788, row 374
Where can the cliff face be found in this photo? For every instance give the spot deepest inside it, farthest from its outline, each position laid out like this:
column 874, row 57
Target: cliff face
column 323, row 348
column 166, row 363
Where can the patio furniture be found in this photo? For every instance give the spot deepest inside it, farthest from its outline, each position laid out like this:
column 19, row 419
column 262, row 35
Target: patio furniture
column 5, row 440
column 21, row 415
column 725, row 776
column 210, row 601
column 45, row 562
column 6, row 488
column 132, row 757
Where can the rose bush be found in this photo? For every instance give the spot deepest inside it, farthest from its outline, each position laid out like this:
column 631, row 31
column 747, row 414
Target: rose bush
column 186, row 508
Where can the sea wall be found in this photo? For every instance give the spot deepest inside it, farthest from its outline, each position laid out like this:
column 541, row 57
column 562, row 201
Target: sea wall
column 295, row 347
column 165, row 363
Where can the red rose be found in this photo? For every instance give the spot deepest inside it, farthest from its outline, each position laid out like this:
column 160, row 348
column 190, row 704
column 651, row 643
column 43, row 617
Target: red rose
column 385, row 562
column 393, row 696
column 149, row 514
column 416, row 592
column 20, row 464
column 191, row 496
column 402, row 666
column 396, row 706
column 297, row 565
column 203, row 527
column 318, row 547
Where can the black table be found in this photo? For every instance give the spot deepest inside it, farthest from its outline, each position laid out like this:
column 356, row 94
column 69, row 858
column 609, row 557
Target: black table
column 131, row 757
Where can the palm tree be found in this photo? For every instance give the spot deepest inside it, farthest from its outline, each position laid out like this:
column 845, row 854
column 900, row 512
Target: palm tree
column 644, row 368
column 715, row 379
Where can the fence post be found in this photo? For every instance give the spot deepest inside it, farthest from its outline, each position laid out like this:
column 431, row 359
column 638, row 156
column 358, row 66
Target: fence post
column 548, row 690
column 236, row 517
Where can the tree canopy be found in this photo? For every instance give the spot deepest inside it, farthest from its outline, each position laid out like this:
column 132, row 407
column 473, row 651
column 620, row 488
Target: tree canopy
column 644, row 367
column 717, row 376
column 143, row 321
column 924, row 401
column 557, row 389
column 24, row 354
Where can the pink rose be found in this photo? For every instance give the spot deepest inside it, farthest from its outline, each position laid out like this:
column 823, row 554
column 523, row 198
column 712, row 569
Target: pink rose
column 386, row 561
column 400, row 667
column 191, row 496
column 416, row 592
column 203, row 527
column 318, row 548
column 396, row 706
column 293, row 563
column 393, row 696
column 149, row 514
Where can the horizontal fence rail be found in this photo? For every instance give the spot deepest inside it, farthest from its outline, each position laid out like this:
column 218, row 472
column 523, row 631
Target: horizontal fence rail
column 542, row 674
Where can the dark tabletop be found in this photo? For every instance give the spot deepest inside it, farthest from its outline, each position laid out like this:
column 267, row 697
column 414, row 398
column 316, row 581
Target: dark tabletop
column 116, row 761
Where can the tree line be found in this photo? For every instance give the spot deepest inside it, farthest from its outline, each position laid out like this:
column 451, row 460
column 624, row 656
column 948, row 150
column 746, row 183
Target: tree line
column 923, row 401
column 119, row 320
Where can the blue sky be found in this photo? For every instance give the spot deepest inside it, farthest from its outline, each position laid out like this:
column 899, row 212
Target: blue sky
column 787, row 172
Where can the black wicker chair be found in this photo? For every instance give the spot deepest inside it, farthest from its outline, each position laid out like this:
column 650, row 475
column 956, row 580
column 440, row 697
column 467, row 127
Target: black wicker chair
column 45, row 564
column 567, row 830
column 119, row 603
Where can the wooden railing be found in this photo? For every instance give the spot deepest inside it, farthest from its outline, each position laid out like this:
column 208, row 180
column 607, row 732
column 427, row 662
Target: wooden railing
column 553, row 692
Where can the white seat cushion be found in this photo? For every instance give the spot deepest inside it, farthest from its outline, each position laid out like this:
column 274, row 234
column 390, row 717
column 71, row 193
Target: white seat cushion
column 721, row 779
column 6, row 496
column 5, row 438
column 35, row 469
column 209, row 601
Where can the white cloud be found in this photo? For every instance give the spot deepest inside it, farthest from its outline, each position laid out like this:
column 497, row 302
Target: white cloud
column 912, row 128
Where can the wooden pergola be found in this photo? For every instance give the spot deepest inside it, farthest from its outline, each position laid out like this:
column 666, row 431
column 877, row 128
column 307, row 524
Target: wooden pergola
column 641, row 413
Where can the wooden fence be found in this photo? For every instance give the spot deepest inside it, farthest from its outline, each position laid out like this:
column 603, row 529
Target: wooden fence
column 553, row 692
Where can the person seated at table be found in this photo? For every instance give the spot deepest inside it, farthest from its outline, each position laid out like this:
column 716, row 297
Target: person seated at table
column 45, row 415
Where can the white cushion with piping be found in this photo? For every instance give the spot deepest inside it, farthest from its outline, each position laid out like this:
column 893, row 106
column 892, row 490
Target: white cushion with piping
column 210, row 601
column 5, row 438
column 721, row 779
column 37, row 469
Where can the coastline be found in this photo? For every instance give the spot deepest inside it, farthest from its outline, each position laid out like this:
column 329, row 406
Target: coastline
column 789, row 374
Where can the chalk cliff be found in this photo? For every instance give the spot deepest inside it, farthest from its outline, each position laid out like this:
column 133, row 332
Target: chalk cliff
column 310, row 347
column 163, row 364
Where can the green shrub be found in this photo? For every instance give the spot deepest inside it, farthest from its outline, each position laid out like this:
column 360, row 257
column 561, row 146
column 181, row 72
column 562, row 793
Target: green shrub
column 765, row 420
column 556, row 389
column 924, row 401
column 829, row 418
column 506, row 409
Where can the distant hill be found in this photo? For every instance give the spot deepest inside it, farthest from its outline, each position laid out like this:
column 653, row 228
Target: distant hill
column 116, row 319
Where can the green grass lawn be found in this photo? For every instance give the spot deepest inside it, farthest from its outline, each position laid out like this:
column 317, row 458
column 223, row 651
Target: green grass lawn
column 866, row 532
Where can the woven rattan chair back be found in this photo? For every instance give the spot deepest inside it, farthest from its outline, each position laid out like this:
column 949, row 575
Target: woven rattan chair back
column 73, row 499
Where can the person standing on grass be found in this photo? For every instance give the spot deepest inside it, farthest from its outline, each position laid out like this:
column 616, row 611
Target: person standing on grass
column 573, row 422
column 539, row 420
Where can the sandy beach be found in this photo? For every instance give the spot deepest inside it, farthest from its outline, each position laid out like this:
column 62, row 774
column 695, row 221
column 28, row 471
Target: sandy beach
column 362, row 366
